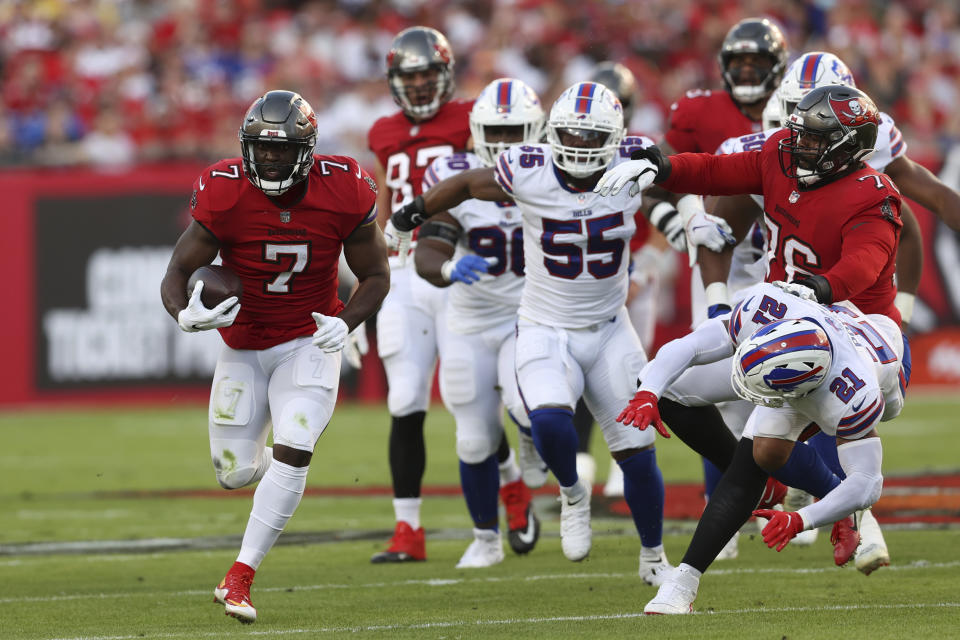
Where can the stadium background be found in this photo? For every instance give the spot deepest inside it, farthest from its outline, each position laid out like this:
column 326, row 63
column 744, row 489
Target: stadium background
column 109, row 108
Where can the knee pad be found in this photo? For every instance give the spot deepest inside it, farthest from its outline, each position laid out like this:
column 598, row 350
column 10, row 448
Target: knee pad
column 235, row 470
column 474, row 450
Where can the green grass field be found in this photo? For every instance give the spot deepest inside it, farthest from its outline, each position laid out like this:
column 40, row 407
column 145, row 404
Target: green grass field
column 64, row 474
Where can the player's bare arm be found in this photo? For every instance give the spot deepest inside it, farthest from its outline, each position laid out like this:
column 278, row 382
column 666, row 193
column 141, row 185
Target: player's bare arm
column 917, row 183
column 195, row 248
column 740, row 212
column 436, row 244
column 909, row 261
column 366, row 255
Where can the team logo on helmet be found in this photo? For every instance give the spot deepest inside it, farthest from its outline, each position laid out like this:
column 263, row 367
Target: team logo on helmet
column 851, row 113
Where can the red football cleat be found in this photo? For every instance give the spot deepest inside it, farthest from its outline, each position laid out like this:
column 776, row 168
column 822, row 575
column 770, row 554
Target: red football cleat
column 406, row 545
column 522, row 522
column 233, row 593
column 845, row 539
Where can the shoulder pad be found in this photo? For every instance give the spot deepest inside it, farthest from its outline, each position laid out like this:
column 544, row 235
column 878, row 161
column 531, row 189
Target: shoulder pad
column 219, row 186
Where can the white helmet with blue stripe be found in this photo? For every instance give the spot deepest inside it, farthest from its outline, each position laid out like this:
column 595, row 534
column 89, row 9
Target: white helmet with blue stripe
column 505, row 102
column 585, row 129
column 809, row 71
column 784, row 359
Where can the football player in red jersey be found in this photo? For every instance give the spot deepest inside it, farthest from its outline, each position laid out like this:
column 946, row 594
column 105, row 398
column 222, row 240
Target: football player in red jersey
column 812, row 178
column 752, row 60
column 279, row 217
column 428, row 125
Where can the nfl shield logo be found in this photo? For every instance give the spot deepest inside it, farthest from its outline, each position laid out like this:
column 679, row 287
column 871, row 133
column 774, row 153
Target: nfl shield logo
column 284, row 216
column 794, row 197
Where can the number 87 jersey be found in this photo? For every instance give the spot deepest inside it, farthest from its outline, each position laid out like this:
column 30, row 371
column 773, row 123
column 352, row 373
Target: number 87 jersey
column 575, row 243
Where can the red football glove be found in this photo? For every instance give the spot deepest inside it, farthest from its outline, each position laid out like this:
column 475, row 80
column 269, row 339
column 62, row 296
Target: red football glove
column 642, row 412
column 782, row 528
column 773, row 494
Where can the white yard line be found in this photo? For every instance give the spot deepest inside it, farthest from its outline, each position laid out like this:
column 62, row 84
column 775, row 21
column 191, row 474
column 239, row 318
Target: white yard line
column 275, row 633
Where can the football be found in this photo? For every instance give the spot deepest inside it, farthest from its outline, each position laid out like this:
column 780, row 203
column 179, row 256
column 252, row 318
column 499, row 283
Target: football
column 219, row 283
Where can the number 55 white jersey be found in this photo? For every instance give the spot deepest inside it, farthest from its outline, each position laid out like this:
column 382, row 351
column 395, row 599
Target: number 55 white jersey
column 575, row 243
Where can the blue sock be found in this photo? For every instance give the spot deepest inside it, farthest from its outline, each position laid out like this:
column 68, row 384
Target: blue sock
column 556, row 441
column 643, row 491
column 711, row 477
column 481, row 485
column 826, row 446
column 805, row 470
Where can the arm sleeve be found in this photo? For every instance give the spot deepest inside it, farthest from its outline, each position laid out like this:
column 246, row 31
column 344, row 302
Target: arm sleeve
column 860, row 489
column 707, row 174
column 707, row 343
column 868, row 244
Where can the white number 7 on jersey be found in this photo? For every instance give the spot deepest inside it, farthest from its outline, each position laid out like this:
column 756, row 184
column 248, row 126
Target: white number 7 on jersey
column 272, row 253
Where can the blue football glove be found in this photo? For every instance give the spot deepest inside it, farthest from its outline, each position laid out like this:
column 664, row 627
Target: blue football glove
column 467, row 269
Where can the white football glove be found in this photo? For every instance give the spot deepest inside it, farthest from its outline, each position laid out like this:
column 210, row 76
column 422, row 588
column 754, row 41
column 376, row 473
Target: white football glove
column 796, row 289
column 331, row 333
column 398, row 241
column 196, row 317
column 357, row 346
column 639, row 173
column 702, row 228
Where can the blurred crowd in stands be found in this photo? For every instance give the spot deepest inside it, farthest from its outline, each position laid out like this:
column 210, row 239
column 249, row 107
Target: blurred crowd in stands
column 113, row 82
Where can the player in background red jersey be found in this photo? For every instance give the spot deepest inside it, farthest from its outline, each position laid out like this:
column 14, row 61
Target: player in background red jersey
column 429, row 125
column 279, row 217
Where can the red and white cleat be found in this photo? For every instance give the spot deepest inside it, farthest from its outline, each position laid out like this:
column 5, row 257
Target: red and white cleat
column 845, row 539
column 233, row 593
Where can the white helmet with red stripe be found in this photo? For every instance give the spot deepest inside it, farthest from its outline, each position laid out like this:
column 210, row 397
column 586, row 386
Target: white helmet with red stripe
column 585, row 129
column 784, row 359
column 809, row 71
column 505, row 104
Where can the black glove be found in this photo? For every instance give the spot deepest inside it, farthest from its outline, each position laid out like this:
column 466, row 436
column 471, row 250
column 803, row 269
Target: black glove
column 654, row 155
column 820, row 285
column 410, row 216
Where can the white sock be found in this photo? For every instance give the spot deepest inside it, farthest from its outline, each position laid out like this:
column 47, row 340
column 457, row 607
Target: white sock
column 509, row 470
column 575, row 492
column 687, row 569
column 274, row 502
column 408, row 510
column 652, row 552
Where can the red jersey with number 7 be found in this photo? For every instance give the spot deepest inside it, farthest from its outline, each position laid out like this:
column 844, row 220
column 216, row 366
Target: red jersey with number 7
column 846, row 230
column 286, row 256
column 405, row 149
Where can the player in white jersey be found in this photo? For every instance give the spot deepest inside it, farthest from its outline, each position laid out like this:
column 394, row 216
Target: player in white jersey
column 799, row 363
column 477, row 247
column 573, row 334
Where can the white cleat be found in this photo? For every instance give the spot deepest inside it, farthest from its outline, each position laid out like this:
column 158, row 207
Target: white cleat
column 730, row 550
column 486, row 550
column 872, row 552
column 795, row 500
column 654, row 566
column 575, row 533
column 533, row 470
column 614, row 486
column 675, row 596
